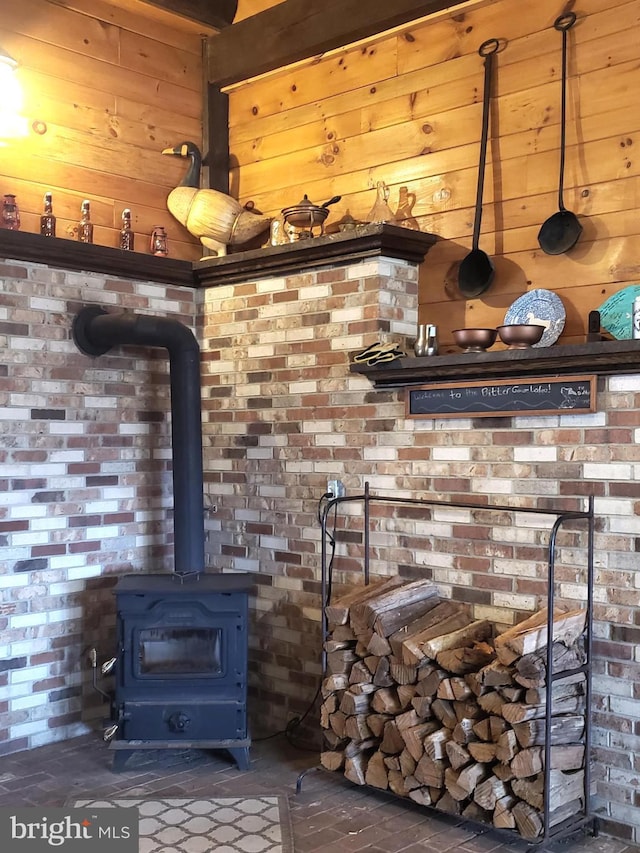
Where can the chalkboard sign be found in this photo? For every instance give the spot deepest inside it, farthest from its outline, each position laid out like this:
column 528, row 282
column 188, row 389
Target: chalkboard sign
column 506, row 397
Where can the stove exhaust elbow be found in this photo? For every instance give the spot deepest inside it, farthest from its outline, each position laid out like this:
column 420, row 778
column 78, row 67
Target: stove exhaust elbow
column 96, row 332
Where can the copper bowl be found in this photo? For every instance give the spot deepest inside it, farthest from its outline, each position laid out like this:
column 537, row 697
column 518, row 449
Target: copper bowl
column 520, row 335
column 474, row 340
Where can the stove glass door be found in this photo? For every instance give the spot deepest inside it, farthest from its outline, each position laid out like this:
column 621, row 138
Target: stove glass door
column 176, row 652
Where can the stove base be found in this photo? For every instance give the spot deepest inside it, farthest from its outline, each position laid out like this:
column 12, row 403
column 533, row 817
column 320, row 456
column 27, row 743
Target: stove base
column 124, row 749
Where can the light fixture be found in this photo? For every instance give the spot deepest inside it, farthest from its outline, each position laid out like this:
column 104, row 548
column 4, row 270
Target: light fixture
column 7, row 60
column 12, row 124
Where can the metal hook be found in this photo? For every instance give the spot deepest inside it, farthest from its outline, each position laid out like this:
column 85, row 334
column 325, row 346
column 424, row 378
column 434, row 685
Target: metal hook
column 564, row 22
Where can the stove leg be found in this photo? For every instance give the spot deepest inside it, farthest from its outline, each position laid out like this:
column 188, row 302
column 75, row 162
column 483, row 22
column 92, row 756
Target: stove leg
column 120, row 759
column 240, row 754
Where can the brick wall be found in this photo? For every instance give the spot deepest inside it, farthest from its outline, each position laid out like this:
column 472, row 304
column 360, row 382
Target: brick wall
column 282, row 414
column 85, row 489
column 84, row 464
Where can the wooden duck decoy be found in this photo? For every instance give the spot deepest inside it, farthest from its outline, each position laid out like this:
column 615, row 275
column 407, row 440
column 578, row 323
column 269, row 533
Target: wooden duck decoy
column 215, row 218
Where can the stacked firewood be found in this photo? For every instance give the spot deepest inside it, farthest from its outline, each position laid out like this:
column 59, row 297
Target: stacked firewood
column 422, row 700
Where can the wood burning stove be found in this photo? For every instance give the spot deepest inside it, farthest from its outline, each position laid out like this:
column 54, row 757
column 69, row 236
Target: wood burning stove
column 181, row 669
column 181, row 661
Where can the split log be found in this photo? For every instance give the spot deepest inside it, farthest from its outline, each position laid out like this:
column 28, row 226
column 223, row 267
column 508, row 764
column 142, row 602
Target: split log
column 337, row 721
column 451, row 784
column 507, row 746
column 443, row 610
column 377, row 722
column 341, row 632
column 472, row 633
column 337, row 612
column 378, row 645
column 385, row 701
column 332, row 760
column 497, row 726
column 563, row 788
column 448, row 804
column 392, row 619
column 376, row 773
column 444, row 712
column 502, row 814
column 474, row 812
column 392, row 741
column 487, row 793
column 464, row 660
column 360, row 687
column 341, row 661
column 572, row 685
column 491, row 702
column 482, row 752
column 355, row 768
column 333, row 741
column 407, row 763
column 355, row 703
column 516, row 712
column 531, row 669
column 406, row 692
column 435, row 743
column 422, row 706
column 370, row 612
column 402, row 673
column 382, row 675
column 470, row 777
column 412, row 645
column 360, row 674
column 502, row 771
column 429, row 772
column 340, row 681
column 530, row 822
column 463, row 732
column 454, row 688
column 531, row 635
column 494, row 674
column 466, row 710
column 567, row 729
column 414, row 737
column 356, row 727
column 457, row 754
column 530, row 761
column 397, row 783
column 422, row 796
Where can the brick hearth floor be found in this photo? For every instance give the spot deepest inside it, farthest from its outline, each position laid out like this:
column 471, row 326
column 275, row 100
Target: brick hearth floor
column 329, row 814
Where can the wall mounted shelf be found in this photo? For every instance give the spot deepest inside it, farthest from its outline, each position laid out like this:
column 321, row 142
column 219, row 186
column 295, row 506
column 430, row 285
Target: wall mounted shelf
column 602, row 357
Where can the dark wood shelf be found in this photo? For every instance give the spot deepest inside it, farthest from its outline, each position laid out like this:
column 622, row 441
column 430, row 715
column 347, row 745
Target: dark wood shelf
column 601, row 358
column 88, row 257
column 368, row 241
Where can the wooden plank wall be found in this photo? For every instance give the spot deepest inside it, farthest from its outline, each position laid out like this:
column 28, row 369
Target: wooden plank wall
column 108, row 85
column 406, row 109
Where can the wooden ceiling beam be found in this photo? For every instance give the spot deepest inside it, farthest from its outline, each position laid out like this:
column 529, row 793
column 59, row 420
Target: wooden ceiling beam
column 214, row 13
column 299, row 29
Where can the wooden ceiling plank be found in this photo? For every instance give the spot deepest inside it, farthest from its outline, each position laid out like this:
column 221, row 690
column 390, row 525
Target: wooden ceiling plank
column 299, row 29
column 213, row 13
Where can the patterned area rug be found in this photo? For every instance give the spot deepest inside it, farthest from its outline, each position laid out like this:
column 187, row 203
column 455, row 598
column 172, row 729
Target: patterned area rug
column 224, row 824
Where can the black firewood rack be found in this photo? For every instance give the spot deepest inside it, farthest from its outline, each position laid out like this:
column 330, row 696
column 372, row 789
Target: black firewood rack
column 584, row 819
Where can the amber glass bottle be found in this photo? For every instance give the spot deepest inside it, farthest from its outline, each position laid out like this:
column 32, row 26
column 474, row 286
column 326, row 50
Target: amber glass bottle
column 127, row 236
column 85, row 226
column 48, row 220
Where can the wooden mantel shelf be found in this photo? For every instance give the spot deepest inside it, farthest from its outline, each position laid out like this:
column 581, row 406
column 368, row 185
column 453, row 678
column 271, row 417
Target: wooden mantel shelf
column 602, row 357
column 390, row 241
column 369, row 241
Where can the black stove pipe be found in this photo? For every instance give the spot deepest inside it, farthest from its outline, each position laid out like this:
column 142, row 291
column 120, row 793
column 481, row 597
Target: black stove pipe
column 95, row 332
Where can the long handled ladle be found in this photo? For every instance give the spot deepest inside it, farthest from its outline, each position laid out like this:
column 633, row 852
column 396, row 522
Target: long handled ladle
column 561, row 231
column 476, row 270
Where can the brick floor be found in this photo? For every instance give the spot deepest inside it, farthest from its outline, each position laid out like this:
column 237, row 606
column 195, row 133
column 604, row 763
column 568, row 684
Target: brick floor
column 329, row 814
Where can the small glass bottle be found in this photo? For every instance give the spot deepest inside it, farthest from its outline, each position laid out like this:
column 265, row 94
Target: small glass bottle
column 85, row 226
column 127, row 236
column 158, row 245
column 404, row 214
column 48, row 220
column 10, row 213
column 381, row 212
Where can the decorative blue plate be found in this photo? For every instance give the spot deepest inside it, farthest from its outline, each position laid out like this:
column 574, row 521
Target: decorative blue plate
column 541, row 308
column 616, row 311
